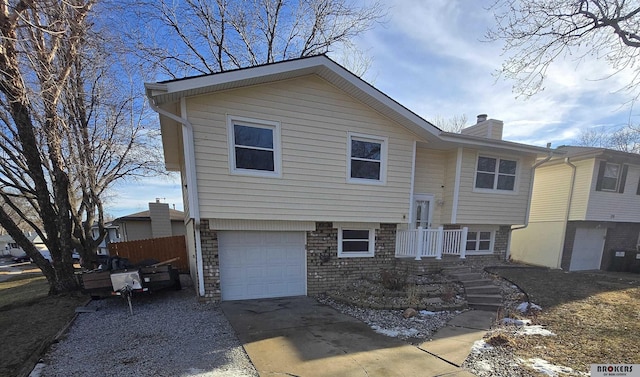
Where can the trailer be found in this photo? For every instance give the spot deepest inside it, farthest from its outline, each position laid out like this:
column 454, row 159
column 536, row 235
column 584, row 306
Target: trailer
column 131, row 280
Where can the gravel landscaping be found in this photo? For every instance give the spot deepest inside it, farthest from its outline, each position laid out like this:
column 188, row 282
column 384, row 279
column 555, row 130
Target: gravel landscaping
column 184, row 338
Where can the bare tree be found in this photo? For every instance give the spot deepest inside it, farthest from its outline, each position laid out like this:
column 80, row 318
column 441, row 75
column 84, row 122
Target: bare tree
column 626, row 139
column 454, row 124
column 537, row 32
column 67, row 130
column 207, row 36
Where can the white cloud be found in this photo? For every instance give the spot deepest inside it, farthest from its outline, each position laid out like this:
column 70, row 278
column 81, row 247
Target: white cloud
column 430, row 58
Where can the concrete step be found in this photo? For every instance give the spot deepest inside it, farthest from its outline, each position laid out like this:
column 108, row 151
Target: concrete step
column 482, row 298
column 490, row 307
column 489, row 289
column 476, row 283
column 467, row 276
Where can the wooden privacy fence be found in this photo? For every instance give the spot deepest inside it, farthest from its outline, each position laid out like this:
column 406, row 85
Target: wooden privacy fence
column 160, row 249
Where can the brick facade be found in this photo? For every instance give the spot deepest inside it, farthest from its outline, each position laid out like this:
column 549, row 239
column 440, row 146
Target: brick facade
column 326, row 271
column 211, row 262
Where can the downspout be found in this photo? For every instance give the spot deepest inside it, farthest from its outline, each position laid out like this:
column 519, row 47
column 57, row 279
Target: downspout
column 566, row 216
column 528, row 211
column 192, row 184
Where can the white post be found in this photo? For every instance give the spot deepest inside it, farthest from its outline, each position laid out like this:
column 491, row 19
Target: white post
column 463, row 243
column 439, row 244
column 420, row 243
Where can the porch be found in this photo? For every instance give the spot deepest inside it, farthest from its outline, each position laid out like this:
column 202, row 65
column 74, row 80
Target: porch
column 431, row 243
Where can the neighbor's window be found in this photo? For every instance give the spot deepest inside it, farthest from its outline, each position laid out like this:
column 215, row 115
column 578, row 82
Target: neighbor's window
column 356, row 242
column 367, row 158
column 610, row 177
column 254, row 146
column 495, row 173
column 479, row 241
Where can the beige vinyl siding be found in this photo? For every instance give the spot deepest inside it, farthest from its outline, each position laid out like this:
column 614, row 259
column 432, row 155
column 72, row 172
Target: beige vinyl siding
column 496, row 207
column 449, row 183
column 550, row 193
column 613, row 206
column 540, row 243
column 315, row 119
column 582, row 188
column 429, row 178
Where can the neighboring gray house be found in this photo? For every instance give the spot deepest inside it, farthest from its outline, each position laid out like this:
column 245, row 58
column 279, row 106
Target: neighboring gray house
column 158, row 221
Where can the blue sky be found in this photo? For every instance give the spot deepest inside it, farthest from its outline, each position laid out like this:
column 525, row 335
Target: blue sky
column 430, row 57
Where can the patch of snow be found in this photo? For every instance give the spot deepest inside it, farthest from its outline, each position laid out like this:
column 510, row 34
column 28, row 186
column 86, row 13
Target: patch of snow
column 526, row 306
column 396, row 331
column 484, row 366
column 480, row 345
column 534, row 330
column 517, row 322
column 545, row 367
column 427, row 312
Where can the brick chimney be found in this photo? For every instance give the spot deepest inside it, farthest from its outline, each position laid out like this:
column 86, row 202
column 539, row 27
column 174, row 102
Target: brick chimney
column 484, row 127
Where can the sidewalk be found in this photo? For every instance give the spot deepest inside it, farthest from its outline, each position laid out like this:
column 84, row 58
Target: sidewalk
column 453, row 342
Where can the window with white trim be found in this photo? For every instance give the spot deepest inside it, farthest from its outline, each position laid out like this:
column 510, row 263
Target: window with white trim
column 254, row 146
column 479, row 241
column 610, row 177
column 353, row 243
column 367, row 159
column 496, row 173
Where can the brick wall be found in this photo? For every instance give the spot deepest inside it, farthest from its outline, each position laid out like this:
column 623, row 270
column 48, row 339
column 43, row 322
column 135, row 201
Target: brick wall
column 325, row 270
column 620, row 236
column 501, row 241
column 567, row 248
column 211, row 262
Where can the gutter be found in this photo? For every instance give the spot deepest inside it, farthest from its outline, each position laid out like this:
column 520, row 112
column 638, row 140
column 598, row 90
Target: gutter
column 528, row 212
column 192, row 184
column 566, row 216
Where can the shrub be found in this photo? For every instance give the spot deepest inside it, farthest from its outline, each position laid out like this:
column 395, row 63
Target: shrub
column 393, row 280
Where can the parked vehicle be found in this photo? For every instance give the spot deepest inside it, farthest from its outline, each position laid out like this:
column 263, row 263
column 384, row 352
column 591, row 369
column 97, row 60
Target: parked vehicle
column 21, row 258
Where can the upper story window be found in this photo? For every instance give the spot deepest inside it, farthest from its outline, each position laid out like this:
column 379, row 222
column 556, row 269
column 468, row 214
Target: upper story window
column 356, row 242
column 611, row 177
column 254, row 146
column 367, row 159
column 496, row 173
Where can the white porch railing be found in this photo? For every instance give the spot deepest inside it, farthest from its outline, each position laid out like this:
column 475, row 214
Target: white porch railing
column 426, row 243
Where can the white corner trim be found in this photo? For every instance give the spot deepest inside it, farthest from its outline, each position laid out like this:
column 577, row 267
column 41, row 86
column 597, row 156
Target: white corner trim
column 456, row 187
column 409, row 218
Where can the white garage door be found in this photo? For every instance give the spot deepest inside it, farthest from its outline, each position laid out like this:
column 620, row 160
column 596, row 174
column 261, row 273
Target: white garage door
column 587, row 249
column 261, row 264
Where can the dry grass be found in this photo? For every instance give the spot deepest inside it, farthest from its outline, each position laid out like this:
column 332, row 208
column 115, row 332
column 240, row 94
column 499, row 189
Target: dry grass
column 30, row 319
column 595, row 316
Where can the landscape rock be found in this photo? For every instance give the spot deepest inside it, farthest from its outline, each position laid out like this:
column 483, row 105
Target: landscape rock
column 409, row 312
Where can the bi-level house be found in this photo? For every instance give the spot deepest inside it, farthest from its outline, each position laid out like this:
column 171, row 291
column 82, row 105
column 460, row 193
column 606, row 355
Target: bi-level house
column 585, row 208
column 299, row 175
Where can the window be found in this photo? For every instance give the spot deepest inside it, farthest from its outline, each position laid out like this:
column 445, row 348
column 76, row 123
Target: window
column 356, row 242
column 612, row 177
column 479, row 241
column 367, row 159
column 254, row 146
column 495, row 174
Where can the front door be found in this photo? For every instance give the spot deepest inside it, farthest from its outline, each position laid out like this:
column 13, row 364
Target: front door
column 422, row 211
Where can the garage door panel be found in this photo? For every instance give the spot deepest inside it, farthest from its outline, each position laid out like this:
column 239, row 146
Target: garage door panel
column 261, row 264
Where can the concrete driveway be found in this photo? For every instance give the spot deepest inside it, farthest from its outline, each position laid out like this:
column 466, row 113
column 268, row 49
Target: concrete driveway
column 297, row 336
